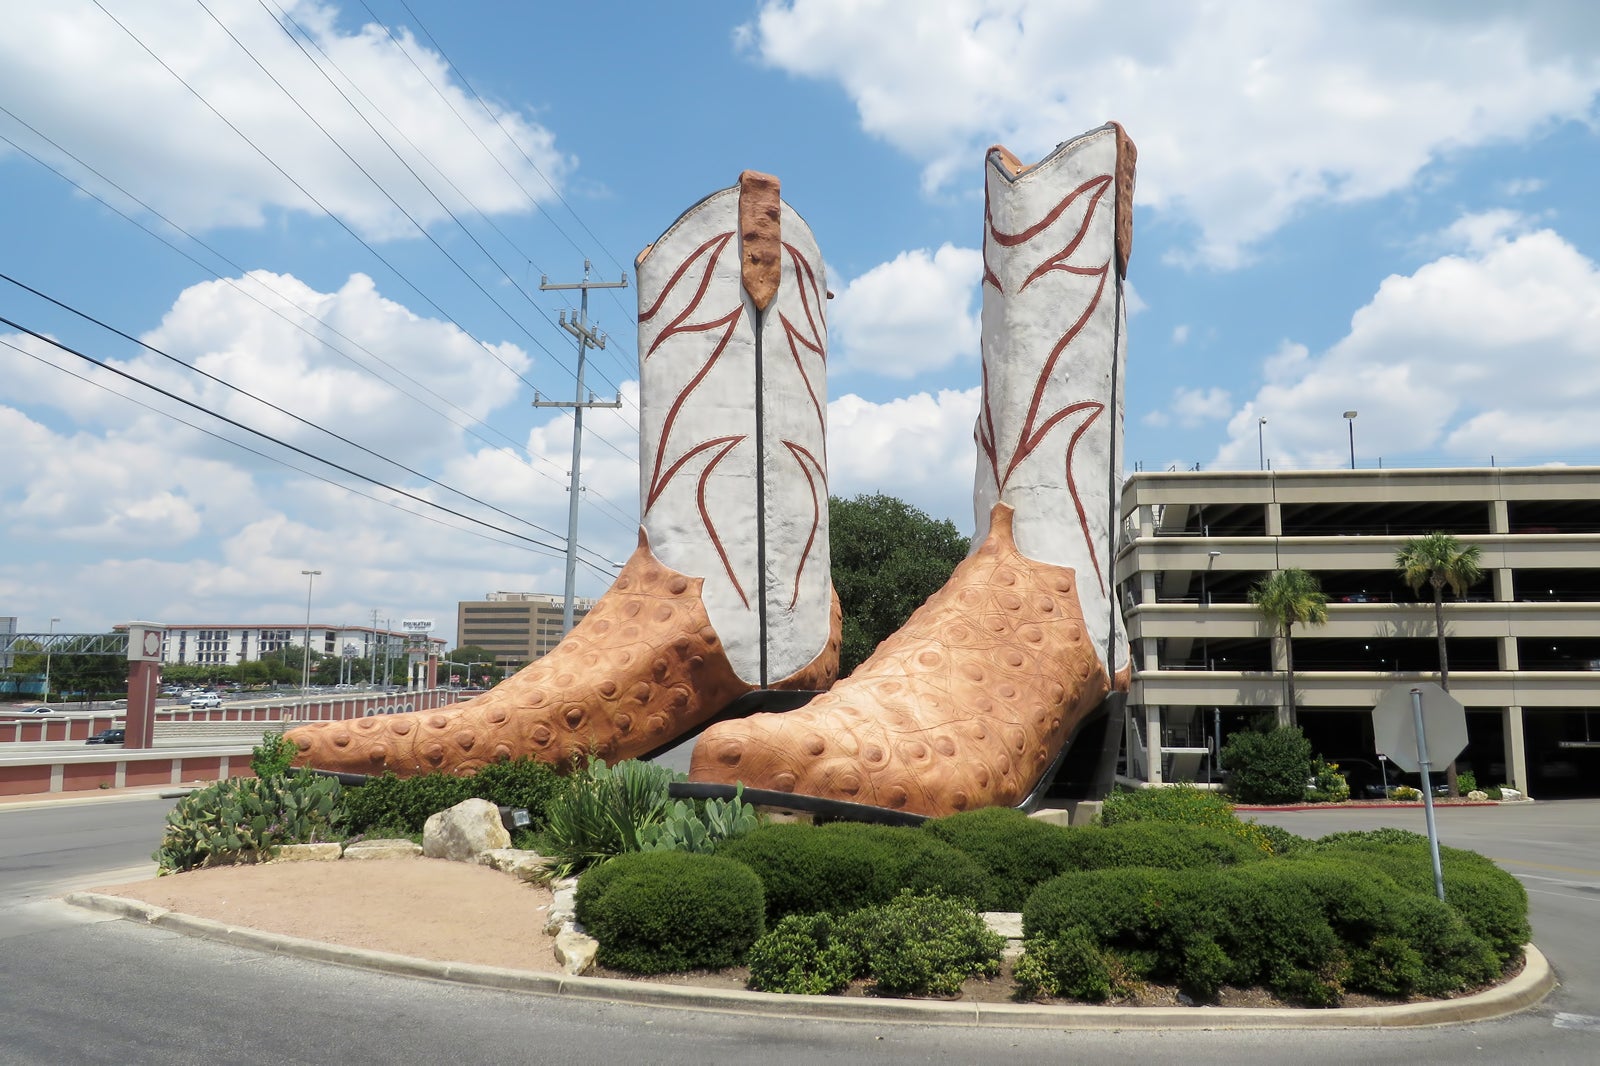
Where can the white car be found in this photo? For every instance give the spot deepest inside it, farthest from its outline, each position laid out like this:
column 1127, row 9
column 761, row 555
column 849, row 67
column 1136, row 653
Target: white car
column 208, row 701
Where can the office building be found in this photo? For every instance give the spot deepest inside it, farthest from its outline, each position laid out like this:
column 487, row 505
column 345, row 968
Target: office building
column 515, row 627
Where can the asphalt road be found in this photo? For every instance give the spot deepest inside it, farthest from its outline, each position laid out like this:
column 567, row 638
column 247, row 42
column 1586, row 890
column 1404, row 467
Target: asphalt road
column 80, row 988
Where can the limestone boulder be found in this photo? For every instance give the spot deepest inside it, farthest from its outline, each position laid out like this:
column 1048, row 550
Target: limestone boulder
column 464, row 832
column 523, row 865
column 308, row 853
column 1477, row 795
column 575, row 951
column 383, row 849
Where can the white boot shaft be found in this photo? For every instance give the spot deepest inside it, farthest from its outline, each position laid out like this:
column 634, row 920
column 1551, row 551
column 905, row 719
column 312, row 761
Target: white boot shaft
column 1049, row 429
column 733, row 403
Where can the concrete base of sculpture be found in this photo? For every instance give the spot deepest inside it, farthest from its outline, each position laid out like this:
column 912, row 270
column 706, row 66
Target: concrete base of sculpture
column 967, row 706
column 644, row 667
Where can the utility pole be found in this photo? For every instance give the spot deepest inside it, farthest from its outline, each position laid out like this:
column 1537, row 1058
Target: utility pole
column 372, row 657
column 588, row 338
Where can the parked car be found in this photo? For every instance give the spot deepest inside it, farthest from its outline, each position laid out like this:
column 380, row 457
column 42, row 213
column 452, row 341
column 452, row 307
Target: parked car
column 32, row 708
column 208, row 701
column 108, row 736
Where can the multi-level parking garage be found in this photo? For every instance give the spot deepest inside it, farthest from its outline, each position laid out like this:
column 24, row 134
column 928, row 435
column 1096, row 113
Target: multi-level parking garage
column 1523, row 644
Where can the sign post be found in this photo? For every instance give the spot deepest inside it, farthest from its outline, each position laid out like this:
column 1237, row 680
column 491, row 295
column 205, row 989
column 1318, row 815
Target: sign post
column 1426, row 720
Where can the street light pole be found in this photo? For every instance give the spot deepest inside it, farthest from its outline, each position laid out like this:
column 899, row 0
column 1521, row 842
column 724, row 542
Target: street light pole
column 1350, row 417
column 1261, row 441
column 305, row 660
column 49, row 649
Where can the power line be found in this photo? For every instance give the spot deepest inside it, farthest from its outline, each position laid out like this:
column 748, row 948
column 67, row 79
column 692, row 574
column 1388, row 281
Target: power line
column 275, row 407
column 267, row 436
column 288, row 465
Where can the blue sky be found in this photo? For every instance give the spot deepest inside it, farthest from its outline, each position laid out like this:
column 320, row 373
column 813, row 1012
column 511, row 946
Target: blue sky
column 1384, row 207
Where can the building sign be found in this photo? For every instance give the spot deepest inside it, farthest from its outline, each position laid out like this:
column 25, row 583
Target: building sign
column 417, row 625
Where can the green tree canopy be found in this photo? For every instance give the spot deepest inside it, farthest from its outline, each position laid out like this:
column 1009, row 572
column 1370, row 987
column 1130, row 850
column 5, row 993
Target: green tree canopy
column 1285, row 598
column 888, row 557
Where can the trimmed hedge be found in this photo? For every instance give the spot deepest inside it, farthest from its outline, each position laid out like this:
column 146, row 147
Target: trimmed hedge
column 803, row 955
column 917, row 945
column 1158, row 844
column 1308, row 928
column 1017, row 853
column 666, row 911
column 1182, row 804
column 844, row 866
column 1491, row 902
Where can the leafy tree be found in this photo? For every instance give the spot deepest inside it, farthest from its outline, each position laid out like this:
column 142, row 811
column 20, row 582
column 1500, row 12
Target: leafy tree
column 1437, row 560
column 888, row 557
column 1285, row 597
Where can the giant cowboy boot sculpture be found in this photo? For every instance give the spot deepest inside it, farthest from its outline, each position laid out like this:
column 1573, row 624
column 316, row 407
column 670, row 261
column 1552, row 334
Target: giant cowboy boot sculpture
column 970, row 704
column 729, row 589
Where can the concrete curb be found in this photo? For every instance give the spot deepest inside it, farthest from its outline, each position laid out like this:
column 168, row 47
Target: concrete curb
column 1523, row 991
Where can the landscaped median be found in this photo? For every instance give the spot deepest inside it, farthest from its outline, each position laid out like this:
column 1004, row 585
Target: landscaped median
column 1172, row 900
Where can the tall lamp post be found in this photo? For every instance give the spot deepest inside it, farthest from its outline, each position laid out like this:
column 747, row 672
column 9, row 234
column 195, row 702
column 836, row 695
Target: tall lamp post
column 49, row 649
column 1261, row 441
column 1350, row 417
column 305, row 660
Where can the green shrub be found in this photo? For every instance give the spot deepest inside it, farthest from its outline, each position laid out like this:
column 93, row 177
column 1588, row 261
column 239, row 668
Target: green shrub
column 1017, row 853
column 1493, row 903
column 527, row 784
column 1269, row 767
column 803, row 955
column 408, row 802
column 1405, row 792
column 1327, row 784
column 922, row 944
column 845, row 866
column 666, row 911
column 1281, row 840
column 273, row 756
column 1181, row 804
column 1466, row 781
column 606, row 811
column 1159, row 844
column 245, row 819
column 1307, row 927
column 1074, row 966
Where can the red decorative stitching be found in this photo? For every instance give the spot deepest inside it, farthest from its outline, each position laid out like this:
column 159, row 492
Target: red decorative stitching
column 801, row 457
column 705, row 518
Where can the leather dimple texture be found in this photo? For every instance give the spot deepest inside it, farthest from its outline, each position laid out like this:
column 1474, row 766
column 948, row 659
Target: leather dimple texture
column 916, row 728
column 588, row 696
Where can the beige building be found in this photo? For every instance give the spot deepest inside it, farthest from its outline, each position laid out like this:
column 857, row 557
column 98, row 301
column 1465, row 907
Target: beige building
column 515, row 627
column 1523, row 645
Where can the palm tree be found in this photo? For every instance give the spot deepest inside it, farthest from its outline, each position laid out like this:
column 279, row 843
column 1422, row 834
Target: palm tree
column 1285, row 597
column 1437, row 560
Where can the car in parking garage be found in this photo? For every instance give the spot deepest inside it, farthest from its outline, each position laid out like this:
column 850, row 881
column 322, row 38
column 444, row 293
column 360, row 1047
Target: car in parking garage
column 108, row 736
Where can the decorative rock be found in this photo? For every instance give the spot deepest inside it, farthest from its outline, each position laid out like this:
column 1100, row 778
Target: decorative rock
column 1510, row 794
column 523, row 865
column 562, row 905
column 308, row 853
column 1006, row 923
column 383, row 849
column 576, row 952
column 464, row 831
column 1477, row 795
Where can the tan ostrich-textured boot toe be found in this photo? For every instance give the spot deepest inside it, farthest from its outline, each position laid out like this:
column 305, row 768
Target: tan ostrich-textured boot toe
column 966, row 706
column 644, row 667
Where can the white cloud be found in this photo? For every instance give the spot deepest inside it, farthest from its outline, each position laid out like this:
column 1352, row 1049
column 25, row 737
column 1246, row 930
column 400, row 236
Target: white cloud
column 918, row 448
column 1483, row 230
column 908, row 316
column 1522, row 186
column 1180, row 335
column 1244, row 113
column 68, row 69
column 1485, row 353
